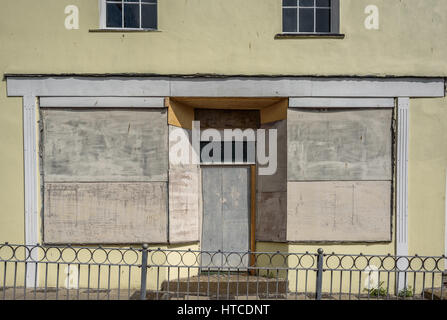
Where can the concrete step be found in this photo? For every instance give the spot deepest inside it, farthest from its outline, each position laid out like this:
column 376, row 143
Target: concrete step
column 224, row 285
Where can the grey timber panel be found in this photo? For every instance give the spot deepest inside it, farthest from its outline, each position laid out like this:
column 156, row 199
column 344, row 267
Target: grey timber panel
column 105, row 212
column 184, row 194
column 271, row 198
column 339, row 145
column 181, row 151
column 184, row 189
column 277, row 181
column 212, row 219
column 105, row 145
column 102, row 102
column 226, row 213
column 339, row 211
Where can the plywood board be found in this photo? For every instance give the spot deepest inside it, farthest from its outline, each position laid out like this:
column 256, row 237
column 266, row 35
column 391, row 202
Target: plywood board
column 226, row 211
column 105, row 212
column 105, row 145
column 339, row 211
column 242, row 103
column 184, row 198
column 275, row 112
column 281, row 141
column 271, row 217
column 339, row 145
column 179, row 114
column 227, row 119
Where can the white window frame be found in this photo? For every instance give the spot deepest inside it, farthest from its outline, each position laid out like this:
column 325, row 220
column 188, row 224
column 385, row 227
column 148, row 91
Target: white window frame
column 103, row 16
column 334, row 12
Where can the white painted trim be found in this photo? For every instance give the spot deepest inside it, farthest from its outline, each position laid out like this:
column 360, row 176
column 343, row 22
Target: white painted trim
column 403, row 122
column 224, row 87
column 335, row 16
column 307, row 87
column 30, row 176
column 341, row 103
column 101, row 102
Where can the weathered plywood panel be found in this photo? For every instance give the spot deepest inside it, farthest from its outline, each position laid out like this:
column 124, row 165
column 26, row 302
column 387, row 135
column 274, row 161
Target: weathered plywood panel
column 339, row 145
column 226, row 211
column 181, row 151
column 236, row 208
column 184, row 198
column 271, row 216
column 212, row 220
column 179, row 114
column 105, row 212
column 105, row 145
column 184, row 188
column 227, row 119
column 281, row 140
column 275, row 112
column 339, row 211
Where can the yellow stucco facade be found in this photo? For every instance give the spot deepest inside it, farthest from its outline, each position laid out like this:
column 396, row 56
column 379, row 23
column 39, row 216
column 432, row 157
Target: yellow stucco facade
column 232, row 37
column 224, row 37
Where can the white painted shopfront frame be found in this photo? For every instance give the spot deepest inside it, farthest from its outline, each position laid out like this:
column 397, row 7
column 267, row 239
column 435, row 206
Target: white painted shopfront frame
column 112, row 91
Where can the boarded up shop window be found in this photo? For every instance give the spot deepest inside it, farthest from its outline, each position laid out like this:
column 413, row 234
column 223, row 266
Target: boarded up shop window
column 104, row 175
column 339, row 175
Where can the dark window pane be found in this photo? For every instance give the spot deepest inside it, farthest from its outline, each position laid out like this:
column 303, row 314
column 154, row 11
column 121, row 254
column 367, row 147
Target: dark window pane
column 289, row 20
column 132, row 1
column 289, row 3
column 306, row 20
column 323, row 20
column 114, row 15
column 131, row 15
column 149, row 1
column 306, row 3
column 149, row 16
column 323, row 3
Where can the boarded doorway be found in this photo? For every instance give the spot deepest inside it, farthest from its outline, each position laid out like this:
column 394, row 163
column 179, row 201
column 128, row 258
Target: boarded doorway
column 226, row 215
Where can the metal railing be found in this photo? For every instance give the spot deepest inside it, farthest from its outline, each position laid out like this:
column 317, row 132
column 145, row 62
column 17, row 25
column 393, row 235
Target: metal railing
column 83, row 273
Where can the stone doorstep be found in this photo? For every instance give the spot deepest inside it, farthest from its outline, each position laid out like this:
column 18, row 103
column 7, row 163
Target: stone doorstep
column 227, row 287
column 163, row 295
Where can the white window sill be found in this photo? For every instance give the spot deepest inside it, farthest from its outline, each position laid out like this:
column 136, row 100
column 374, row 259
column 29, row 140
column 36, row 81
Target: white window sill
column 297, row 35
